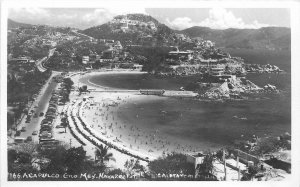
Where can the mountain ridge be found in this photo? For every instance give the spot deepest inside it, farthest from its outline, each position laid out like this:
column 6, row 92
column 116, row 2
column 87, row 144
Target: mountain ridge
column 263, row 38
column 272, row 38
column 11, row 24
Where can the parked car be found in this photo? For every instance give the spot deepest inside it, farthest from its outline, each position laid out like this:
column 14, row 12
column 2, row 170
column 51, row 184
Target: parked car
column 23, row 129
column 29, row 139
column 19, row 140
column 34, row 132
column 45, row 134
column 18, row 133
column 41, row 114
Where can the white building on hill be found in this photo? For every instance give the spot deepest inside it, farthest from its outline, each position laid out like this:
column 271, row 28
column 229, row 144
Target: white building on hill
column 85, row 59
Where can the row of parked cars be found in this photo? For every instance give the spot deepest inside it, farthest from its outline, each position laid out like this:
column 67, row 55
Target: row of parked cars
column 46, row 127
column 23, row 129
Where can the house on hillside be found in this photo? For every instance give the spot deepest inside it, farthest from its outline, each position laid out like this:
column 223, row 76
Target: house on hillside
column 85, row 59
column 137, row 67
column 216, row 72
column 109, row 42
column 124, row 27
column 21, row 59
column 151, row 25
column 108, row 54
column 176, row 55
column 117, row 45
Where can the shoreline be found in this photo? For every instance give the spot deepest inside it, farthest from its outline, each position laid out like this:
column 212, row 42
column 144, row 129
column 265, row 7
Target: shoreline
column 89, row 116
column 85, row 78
column 103, row 116
column 128, row 137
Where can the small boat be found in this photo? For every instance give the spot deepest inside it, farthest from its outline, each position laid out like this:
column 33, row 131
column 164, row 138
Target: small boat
column 241, row 118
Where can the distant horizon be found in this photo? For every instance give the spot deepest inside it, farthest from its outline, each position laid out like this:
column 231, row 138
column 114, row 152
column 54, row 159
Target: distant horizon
column 161, row 23
column 175, row 18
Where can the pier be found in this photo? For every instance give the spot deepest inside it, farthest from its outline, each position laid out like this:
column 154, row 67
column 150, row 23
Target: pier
column 168, row 93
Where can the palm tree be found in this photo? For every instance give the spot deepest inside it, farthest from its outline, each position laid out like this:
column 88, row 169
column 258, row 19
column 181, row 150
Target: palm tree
column 133, row 166
column 102, row 155
column 206, row 169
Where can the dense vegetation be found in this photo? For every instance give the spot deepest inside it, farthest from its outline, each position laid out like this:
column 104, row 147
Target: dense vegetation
column 154, row 56
column 62, row 159
column 20, row 91
column 173, row 163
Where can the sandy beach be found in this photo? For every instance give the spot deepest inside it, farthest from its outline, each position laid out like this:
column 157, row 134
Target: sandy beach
column 101, row 117
column 117, row 116
column 101, row 114
column 104, row 117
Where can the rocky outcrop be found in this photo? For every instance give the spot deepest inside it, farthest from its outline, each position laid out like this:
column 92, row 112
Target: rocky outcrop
column 257, row 68
column 270, row 88
column 218, row 92
column 232, row 88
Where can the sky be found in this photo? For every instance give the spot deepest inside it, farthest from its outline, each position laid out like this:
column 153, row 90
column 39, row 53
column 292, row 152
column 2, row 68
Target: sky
column 176, row 18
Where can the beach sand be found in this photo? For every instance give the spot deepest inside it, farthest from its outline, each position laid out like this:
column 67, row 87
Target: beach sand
column 104, row 116
column 94, row 117
column 59, row 134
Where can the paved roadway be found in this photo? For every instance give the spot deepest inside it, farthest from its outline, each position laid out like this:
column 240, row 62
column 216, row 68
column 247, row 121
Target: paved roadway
column 43, row 99
column 91, row 38
column 39, row 64
column 42, row 103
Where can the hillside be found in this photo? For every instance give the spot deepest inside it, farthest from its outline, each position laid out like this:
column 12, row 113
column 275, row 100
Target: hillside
column 264, row 38
column 137, row 29
column 13, row 24
column 142, row 29
column 145, row 30
column 36, row 40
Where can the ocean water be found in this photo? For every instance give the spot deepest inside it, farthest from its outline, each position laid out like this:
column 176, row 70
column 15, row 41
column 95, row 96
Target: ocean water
column 281, row 59
column 213, row 124
column 208, row 124
column 141, row 81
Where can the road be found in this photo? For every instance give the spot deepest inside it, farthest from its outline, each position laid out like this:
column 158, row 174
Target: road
column 42, row 103
column 91, row 38
column 40, row 63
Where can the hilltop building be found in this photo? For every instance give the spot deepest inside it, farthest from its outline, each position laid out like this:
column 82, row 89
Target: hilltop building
column 151, row 25
column 126, row 24
column 85, row 59
column 124, row 27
